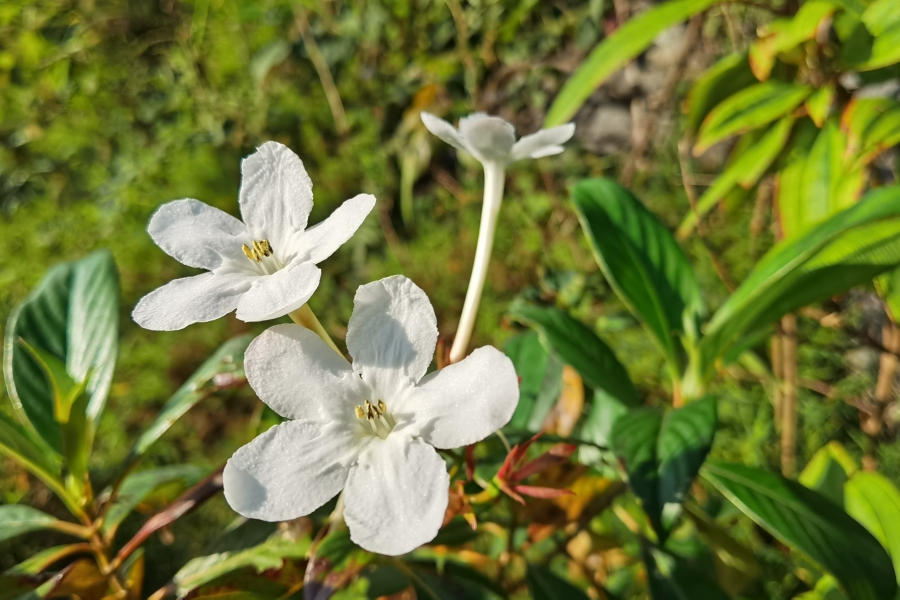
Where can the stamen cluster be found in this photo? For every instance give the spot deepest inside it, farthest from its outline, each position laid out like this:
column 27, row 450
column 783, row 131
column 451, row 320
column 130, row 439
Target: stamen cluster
column 376, row 417
column 260, row 250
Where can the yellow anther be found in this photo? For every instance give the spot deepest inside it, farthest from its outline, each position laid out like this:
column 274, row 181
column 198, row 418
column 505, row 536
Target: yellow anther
column 382, row 407
column 250, row 253
column 360, row 413
column 267, row 248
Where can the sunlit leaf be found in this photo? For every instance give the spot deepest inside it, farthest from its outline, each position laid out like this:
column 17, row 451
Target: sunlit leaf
column 41, row 561
column 540, row 374
column 874, row 501
column 728, row 76
column 16, row 519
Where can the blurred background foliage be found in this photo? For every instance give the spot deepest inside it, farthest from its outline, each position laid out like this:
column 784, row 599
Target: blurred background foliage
column 110, row 108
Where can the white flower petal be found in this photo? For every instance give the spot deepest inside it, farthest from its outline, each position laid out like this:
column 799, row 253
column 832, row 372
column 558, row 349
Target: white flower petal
column 396, row 496
column 276, row 295
column 488, row 138
column 322, row 240
column 196, row 234
column 543, row 143
column 300, row 377
column 442, row 129
column 289, row 471
column 189, row 300
column 465, row 402
column 392, row 334
column 276, row 194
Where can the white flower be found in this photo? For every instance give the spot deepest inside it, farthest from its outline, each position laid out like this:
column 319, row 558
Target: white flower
column 492, row 139
column 369, row 428
column 265, row 267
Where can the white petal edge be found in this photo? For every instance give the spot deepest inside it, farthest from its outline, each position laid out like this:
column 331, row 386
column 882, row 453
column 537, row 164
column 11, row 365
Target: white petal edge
column 392, row 334
column 545, row 142
column 189, row 300
column 442, row 129
column 465, row 402
column 289, row 471
column 323, row 239
column 276, row 194
column 488, row 138
column 396, row 497
column 300, row 377
column 196, row 234
column 280, row 293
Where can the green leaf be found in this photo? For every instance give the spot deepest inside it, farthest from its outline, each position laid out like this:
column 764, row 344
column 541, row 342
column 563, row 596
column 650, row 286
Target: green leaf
column 579, row 347
column 885, row 50
column 874, row 501
column 268, row 555
column 72, row 316
column 827, row 472
column 16, row 519
column 801, row 28
column 39, row 562
column 819, row 104
column 662, row 455
column 450, row 581
column 138, row 486
column 849, row 249
column 227, row 361
column 616, row 51
column 812, row 524
column 642, row 262
column 31, row 452
column 540, row 383
column 725, row 78
column 881, row 16
column 673, row 578
column 544, row 584
column 888, row 286
column 745, row 170
column 750, row 108
column 881, row 135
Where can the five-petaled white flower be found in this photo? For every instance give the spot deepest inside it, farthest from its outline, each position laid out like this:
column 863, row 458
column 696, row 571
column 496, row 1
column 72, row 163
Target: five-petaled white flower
column 369, row 428
column 493, row 140
column 265, row 267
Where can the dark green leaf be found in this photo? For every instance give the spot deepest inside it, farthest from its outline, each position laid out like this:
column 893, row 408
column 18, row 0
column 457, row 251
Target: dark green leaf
column 849, row 249
column 750, row 108
column 73, row 316
column 16, row 519
column 616, row 51
column 227, row 361
column 579, row 347
column 642, row 261
column 812, row 524
column 541, row 380
column 662, row 455
column 385, row 580
column 455, row 533
column 546, row 585
column 672, row 578
column 727, row 77
column 453, row 581
column 39, row 562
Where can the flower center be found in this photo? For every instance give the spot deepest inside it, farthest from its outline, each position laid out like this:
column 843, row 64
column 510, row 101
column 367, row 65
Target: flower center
column 375, row 418
column 262, row 256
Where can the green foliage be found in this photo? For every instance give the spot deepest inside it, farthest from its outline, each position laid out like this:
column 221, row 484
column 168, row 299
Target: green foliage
column 541, row 380
column 16, row 519
column 544, row 584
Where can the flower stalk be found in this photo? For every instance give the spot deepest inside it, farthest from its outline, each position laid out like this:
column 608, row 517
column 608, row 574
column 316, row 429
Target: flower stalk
column 494, row 177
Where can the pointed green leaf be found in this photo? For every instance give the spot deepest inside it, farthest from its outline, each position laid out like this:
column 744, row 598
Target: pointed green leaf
column 16, row 519
column 881, row 15
column 750, row 108
column 616, row 51
column 540, row 374
column 885, row 50
column 673, row 578
column 725, row 78
column 874, row 501
column 642, row 262
column 812, row 524
column 39, row 562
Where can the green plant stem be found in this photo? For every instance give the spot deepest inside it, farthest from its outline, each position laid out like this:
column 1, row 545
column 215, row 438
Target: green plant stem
column 494, row 174
column 304, row 317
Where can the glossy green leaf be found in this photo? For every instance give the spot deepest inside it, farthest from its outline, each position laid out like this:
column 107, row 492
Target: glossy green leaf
column 73, row 316
column 671, row 577
column 268, row 555
column 227, row 362
column 579, row 347
column 874, row 501
column 662, row 455
column 16, row 519
column 616, row 51
column 812, row 524
column 827, row 472
column 642, row 262
column 27, row 449
column 540, row 380
column 138, row 486
column 750, row 108
column 881, row 16
column 881, row 135
column 859, row 115
column 725, row 78
column 819, row 104
column 544, row 584
column 885, row 50
column 888, row 286
column 745, row 170
column 849, row 249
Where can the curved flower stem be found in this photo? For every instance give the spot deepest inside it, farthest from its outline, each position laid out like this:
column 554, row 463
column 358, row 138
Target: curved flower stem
column 493, row 197
column 304, row 317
